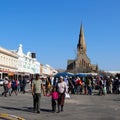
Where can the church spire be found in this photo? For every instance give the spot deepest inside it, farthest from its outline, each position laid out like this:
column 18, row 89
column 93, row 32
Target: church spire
column 81, row 44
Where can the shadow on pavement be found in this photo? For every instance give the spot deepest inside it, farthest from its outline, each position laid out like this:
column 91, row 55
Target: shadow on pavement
column 18, row 109
column 46, row 110
column 26, row 109
column 41, row 109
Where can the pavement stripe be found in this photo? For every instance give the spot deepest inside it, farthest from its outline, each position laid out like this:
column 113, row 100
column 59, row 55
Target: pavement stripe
column 10, row 117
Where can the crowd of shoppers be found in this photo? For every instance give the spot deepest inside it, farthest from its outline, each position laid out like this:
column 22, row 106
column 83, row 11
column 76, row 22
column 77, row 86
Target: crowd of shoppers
column 57, row 87
column 89, row 84
column 13, row 85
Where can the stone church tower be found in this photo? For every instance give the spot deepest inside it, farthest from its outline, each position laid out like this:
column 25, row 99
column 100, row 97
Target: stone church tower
column 82, row 63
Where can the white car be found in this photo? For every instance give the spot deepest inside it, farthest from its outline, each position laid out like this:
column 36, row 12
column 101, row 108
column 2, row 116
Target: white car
column 1, row 82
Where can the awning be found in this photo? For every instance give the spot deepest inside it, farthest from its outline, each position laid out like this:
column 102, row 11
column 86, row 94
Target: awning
column 10, row 73
column 64, row 74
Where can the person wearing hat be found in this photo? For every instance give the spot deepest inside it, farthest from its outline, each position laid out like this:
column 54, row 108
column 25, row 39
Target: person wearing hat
column 61, row 88
column 37, row 88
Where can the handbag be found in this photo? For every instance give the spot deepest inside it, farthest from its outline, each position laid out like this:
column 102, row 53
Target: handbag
column 67, row 95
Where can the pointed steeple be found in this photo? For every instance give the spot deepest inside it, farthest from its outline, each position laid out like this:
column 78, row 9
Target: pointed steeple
column 81, row 44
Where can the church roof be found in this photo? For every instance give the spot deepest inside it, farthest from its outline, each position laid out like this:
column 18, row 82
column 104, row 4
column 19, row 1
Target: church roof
column 81, row 43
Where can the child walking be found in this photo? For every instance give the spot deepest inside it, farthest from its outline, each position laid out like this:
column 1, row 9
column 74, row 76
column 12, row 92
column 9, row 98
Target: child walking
column 54, row 98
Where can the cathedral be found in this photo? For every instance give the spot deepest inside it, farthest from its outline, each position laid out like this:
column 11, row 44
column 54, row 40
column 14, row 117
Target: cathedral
column 81, row 64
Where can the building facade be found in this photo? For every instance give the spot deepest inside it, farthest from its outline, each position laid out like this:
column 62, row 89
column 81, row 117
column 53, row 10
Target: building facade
column 14, row 63
column 8, row 63
column 47, row 70
column 82, row 63
column 27, row 63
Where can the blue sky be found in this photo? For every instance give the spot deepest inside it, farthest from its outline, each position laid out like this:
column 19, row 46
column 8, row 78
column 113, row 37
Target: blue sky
column 50, row 28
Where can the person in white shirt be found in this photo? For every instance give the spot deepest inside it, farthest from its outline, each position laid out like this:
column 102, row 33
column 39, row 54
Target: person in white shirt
column 61, row 88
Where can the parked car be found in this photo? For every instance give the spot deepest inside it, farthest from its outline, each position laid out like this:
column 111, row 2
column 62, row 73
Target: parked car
column 1, row 82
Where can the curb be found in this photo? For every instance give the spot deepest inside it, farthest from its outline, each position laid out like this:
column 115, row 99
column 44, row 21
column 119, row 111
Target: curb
column 10, row 117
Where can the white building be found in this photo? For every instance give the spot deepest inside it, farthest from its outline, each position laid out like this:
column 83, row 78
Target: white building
column 15, row 63
column 8, row 63
column 47, row 70
column 27, row 63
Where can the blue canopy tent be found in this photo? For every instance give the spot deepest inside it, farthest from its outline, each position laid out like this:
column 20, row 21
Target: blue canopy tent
column 64, row 74
column 82, row 75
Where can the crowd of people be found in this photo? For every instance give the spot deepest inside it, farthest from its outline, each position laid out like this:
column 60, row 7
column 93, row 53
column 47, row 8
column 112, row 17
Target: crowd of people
column 90, row 84
column 57, row 87
column 13, row 85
